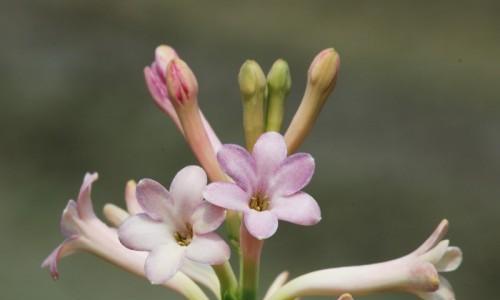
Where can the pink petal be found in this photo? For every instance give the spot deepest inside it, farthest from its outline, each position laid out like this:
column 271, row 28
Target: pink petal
column 84, row 203
column 186, row 190
column 434, row 239
column 444, row 292
column 163, row 262
column 207, row 218
column 299, row 208
column 69, row 226
column 269, row 152
column 141, row 233
column 65, row 248
column 261, row 225
column 239, row 165
column 154, row 199
column 293, row 175
column 451, row 260
column 209, row 249
column 227, row 195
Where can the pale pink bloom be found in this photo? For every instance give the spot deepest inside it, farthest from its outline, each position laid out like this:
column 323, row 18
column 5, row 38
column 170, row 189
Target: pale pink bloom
column 83, row 231
column 415, row 273
column 176, row 225
column 155, row 76
column 267, row 185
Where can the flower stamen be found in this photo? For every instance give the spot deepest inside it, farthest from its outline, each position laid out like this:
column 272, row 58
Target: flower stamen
column 184, row 238
column 259, row 203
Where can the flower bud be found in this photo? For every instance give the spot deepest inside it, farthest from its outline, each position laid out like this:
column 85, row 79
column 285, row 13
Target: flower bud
column 251, row 79
column 252, row 83
column 163, row 55
column 279, row 83
column 182, row 86
column 322, row 76
column 322, row 73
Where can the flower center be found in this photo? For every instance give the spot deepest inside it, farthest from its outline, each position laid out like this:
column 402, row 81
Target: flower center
column 259, row 202
column 185, row 237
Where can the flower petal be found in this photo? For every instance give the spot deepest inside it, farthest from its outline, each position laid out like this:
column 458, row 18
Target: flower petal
column 450, row 261
column 239, row 165
column 186, row 190
column 131, row 201
column 293, row 175
column 209, row 249
column 227, row 195
column 207, row 218
column 65, row 248
column 69, row 226
column 142, row 233
column 154, row 199
column 444, row 292
column 299, row 208
column 261, row 225
column 269, row 152
column 85, row 209
column 163, row 262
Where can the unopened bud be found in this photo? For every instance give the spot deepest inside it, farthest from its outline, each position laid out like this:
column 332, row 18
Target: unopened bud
column 182, row 86
column 279, row 83
column 252, row 83
column 323, row 71
column 321, row 80
column 163, row 55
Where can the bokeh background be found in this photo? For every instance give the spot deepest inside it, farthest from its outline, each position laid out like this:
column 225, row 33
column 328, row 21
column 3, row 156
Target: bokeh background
column 410, row 136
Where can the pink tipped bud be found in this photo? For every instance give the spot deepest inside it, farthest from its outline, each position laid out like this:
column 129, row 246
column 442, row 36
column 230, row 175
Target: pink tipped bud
column 182, row 86
column 323, row 70
column 163, row 55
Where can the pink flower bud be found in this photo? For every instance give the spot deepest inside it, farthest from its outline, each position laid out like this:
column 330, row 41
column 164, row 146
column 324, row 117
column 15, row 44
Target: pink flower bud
column 182, row 86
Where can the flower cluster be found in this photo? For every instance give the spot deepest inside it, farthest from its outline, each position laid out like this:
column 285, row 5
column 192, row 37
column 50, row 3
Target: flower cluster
column 169, row 235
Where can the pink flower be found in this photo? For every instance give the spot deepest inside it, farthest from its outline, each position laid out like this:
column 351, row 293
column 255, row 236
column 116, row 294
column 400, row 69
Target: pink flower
column 176, row 225
column 267, row 185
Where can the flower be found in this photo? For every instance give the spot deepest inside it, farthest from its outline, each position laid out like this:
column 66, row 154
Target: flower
column 83, row 231
column 417, row 272
column 176, row 225
column 267, row 185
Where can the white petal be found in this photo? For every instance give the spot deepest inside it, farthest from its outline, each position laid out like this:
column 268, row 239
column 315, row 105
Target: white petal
column 299, row 208
column 260, row 224
column 450, row 261
column 445, row 292
column 207, row 217
column 142, row 233
column 163, row 262
column 187, row 188
column 227, row 195
column 208, row 249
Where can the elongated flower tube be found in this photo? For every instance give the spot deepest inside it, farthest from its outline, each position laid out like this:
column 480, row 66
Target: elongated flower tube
column 321, row 80
column 182, row 88
column 83, row 231
column 267, row 185
column 155, row 76
column 415, row 273
column 176, row 225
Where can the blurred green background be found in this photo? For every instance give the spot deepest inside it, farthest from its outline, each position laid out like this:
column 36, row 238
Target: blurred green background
column 411, row 134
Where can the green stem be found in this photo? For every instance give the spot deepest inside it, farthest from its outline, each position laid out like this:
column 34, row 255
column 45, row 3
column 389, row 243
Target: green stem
column 251, row 249
column 228, row 283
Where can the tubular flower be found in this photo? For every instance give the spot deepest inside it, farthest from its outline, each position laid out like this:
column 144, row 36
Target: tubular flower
column 83, row 231
column 416, row 273
column 267, row 185
column 176, row 225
